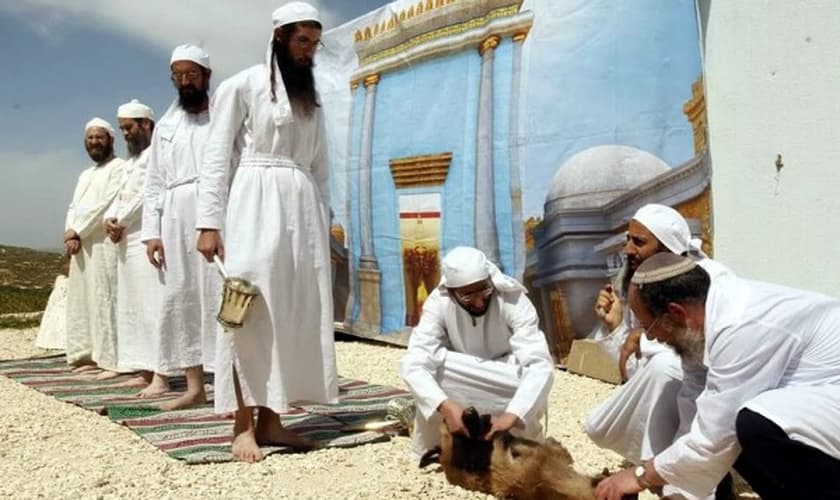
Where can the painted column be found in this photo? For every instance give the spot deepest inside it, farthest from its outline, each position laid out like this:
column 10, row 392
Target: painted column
column 351, row 261
column 514, row 141
column 370, row 313
column 368, row 257
column 486, row 237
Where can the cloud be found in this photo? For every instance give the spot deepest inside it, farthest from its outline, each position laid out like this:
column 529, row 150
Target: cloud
column 234, row 33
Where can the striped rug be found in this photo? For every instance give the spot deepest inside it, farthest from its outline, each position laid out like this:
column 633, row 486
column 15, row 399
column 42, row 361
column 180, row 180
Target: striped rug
column 198, row 435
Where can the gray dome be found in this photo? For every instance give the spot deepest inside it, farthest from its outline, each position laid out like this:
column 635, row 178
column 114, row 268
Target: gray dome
column 596, row 176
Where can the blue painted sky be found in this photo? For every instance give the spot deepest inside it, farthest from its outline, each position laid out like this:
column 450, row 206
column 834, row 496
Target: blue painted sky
column 66, row 61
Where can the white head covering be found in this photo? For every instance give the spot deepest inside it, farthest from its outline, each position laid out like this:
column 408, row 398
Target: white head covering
column 190, row 52
column 99, row 122
column 464, row 266
column 292, row 12
column 670, row 228
column 135, row 109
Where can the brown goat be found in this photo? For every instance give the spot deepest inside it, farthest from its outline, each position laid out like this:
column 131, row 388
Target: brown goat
column 507, row 466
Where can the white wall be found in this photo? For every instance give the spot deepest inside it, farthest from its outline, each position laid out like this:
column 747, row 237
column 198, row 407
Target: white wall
column 773, row 86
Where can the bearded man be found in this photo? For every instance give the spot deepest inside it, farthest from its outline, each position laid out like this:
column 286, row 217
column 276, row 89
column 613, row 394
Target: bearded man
column 478, row 344
column 770, row 406
column 267, row 123
column 186, row 330
column 92, row 282
column 137, row 286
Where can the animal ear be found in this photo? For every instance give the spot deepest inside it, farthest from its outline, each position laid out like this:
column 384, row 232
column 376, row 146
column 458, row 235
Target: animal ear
column 430, row 457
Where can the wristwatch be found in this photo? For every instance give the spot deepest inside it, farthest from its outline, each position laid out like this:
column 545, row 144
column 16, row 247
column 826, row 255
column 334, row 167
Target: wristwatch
column 640, row 472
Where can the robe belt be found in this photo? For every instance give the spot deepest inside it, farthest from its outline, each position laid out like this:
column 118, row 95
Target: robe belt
column 267, row 160
column 183, row 181
column 170, row 192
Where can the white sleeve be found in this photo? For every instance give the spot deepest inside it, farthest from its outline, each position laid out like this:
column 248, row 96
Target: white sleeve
column 131, row 209
column 425, row 354
column 153, row 192
column 320, row 167
column 529, row 347
column 743, row 362
column 227, row 115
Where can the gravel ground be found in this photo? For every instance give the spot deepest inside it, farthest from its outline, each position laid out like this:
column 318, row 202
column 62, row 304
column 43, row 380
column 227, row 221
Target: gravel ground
column 55, row 450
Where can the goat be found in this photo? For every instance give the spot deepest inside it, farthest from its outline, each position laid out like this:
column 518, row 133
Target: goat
column 508, row 466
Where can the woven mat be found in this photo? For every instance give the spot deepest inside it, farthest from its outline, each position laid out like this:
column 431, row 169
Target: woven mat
column 198, row 435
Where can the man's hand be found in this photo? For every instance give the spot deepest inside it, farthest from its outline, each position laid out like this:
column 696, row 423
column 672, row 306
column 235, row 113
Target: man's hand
column 452, row 417
column 505, row 422
column 608, row 308
column 113, row 229
column 631, row 346
column 617, row 485
column 154, row 251
column 210, row 244
column 72, row 242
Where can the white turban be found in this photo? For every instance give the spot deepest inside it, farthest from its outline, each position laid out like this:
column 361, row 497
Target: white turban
column 669, row 227
column 294, row 12
column 464, row 266
column 190, row 52
column 100, row 123
column 135, row 109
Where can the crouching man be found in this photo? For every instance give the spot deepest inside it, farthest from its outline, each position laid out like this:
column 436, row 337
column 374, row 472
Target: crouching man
column 477, row 344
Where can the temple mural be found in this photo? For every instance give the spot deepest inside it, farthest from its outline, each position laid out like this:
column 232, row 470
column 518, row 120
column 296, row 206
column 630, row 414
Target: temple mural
column 528, row 129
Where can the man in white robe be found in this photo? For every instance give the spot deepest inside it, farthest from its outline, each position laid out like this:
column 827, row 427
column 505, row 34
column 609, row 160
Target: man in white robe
column 92, row 282
column 190, row 290
column 478, row 344
column 771, row 402
column 52, row 330
column 642, row 417
column 268, row 124
column 137, row 281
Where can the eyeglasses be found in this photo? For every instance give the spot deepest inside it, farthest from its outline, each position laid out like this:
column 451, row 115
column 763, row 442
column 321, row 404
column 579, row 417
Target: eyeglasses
column 478, row 294
column 649, row 328
column 192, row 75
column 306, row 43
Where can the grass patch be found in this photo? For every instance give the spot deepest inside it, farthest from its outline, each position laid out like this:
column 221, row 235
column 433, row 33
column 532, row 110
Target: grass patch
column 15, row 299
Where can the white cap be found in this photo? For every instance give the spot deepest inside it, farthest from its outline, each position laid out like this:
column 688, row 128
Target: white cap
column 190, row 52
column 294, row 12
column 135, row 109
column 464, row 266
column 669, row 227
column 100, row 123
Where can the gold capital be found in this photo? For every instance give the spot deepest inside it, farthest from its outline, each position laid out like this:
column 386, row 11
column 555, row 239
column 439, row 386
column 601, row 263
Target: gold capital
column 520, row 36
column 371, row 80
column 354, row 84
column 489, row 43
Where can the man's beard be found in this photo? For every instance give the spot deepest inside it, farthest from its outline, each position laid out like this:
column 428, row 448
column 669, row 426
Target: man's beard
column 191, row 98
column 298, row 80
column 690, row 344
column 100, row 153
column 138, row 143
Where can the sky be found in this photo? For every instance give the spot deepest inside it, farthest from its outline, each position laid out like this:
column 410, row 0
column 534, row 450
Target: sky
column 67, row 61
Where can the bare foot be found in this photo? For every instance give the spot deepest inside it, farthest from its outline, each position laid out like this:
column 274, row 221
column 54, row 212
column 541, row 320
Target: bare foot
column 132, row 382
column 158, row 386
column 85, row 368
column 245, row 447
column 107, row 375
column 270, row 432
column 185, row 400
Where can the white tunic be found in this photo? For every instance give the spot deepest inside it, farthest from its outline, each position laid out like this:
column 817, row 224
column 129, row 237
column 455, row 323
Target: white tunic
column 52, row 330
column 190, row 291
column 138, row 289
column 276, row 235
column 507, row 335
column 774, row 350
column 642, row 417
column 92, row 283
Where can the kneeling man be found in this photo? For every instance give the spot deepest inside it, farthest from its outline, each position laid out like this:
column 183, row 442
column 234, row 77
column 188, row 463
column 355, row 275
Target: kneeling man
column 771, row 401
column 477, row 344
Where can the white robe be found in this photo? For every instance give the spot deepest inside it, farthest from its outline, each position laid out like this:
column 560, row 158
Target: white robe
column 92, row 283
column 138, row 290
column 276, row 235
column 498, row 362
column 52, row 332
column 189, row 287
column 774, row 350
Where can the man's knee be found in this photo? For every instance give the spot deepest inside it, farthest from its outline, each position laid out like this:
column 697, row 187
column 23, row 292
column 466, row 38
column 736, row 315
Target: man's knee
column 751, row 428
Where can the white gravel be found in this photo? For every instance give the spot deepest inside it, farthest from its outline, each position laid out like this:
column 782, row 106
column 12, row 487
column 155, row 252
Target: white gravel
column 56, row 450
